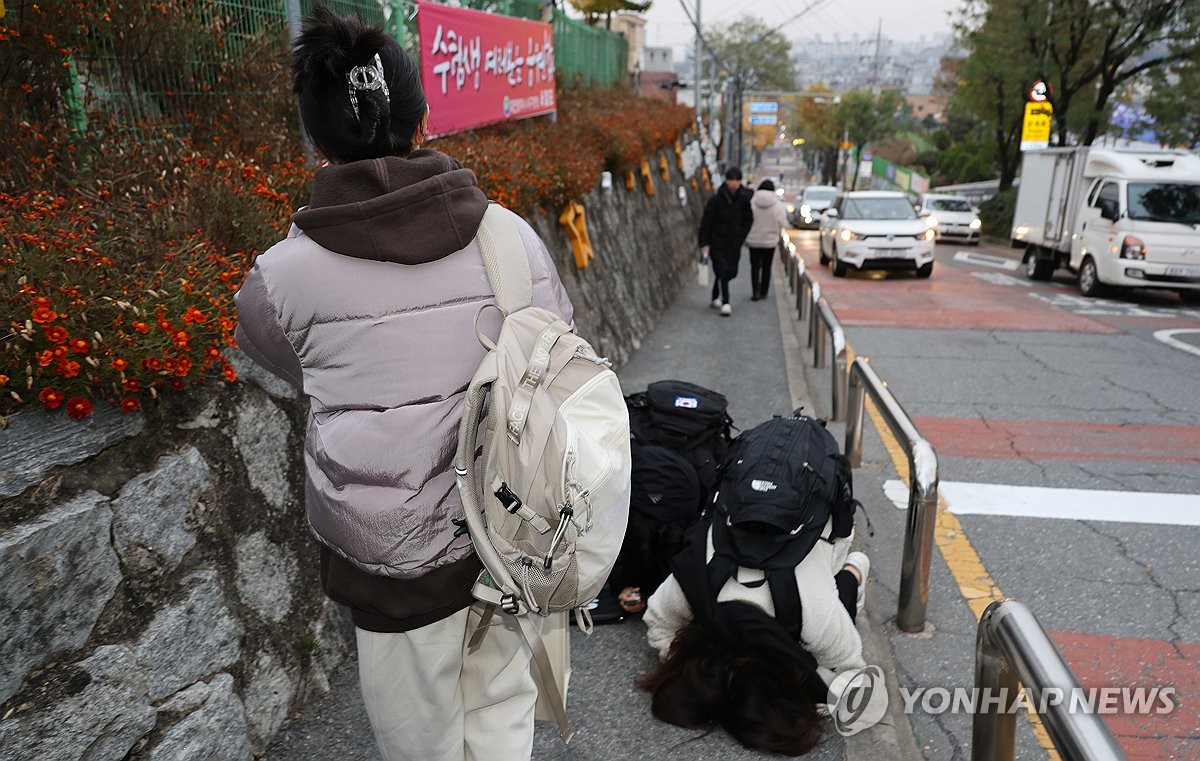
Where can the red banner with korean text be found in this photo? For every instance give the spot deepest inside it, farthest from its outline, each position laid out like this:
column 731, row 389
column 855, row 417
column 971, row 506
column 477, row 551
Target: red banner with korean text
column 481, row 68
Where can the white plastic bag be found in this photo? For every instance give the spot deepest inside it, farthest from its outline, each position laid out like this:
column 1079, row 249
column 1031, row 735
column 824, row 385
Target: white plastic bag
column 702, row 268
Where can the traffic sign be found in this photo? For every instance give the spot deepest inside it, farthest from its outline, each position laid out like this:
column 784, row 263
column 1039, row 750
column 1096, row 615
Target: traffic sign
column 761, row 119
column 763, row 107
column 1035, row 130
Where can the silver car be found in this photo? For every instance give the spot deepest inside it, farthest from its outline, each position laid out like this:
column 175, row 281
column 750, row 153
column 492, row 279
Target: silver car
column 875, row 229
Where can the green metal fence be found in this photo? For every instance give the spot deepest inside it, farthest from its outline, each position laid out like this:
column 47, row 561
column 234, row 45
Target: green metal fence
column 594, row 56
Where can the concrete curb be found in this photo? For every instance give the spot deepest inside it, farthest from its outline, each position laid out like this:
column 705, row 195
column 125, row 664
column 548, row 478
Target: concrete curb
column 892, row 738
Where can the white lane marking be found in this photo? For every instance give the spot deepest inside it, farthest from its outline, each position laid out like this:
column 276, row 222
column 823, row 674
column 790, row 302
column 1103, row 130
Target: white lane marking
column 1106, row 308
column 1064, row 504
column 987, row 260
column 1167, row 337
column 999, row 278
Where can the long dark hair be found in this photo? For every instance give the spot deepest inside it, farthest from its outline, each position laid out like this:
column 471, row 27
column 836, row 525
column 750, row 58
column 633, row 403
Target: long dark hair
column 328, row 47
column 757, row 699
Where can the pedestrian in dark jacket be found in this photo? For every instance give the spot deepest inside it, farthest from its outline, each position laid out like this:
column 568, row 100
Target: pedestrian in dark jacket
column 726, row 223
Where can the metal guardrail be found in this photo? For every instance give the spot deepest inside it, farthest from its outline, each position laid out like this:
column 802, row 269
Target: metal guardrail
column 849, row 388
column 922, row 492
column 822, row 322
column 1011, row 645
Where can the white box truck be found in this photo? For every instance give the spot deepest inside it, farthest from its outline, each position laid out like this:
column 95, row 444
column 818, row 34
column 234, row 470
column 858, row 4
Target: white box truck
column 1114, row 217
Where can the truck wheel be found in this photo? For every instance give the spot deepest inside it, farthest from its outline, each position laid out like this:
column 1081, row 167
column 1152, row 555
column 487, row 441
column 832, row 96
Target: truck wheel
column 1089, row 279
column 1037, row 267
column 925, row 270
column 839, row 267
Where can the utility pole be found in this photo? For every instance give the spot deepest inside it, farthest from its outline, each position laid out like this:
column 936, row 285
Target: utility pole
column 875, row 67
column 696, row 81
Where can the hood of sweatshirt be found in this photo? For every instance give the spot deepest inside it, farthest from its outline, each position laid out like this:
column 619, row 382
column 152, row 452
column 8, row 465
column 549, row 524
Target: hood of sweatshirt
column 764, row 199
column 410, row 210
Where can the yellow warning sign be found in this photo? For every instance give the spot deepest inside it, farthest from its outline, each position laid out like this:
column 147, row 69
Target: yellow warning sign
column 1035, row 130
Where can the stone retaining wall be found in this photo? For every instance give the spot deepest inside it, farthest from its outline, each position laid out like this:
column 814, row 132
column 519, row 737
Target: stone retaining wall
column 159, row 596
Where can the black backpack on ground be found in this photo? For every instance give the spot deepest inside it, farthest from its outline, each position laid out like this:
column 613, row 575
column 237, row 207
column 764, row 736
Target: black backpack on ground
column 688, row 419
column 680, row 435
column 781, row 483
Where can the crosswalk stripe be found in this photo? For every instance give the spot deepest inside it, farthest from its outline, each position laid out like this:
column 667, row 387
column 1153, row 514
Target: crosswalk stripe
column 1161, row 508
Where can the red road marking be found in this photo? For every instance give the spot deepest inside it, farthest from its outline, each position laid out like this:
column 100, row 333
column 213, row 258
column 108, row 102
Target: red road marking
column 1099, row 661
column 1059, row 440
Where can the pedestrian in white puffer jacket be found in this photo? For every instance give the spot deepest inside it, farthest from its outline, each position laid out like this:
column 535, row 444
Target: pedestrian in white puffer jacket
column 371, row 307
column 769, row 220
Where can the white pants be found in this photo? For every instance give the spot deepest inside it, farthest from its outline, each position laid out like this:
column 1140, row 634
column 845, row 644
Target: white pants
column 428, row 699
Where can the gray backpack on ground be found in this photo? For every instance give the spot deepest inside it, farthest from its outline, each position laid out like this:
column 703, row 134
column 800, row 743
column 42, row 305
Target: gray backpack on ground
column 548, row 502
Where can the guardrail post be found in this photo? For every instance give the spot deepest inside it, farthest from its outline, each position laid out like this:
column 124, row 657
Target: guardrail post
column 814, row 292
column 993, row 734
column 918, row 536
column 1012, row 645
column 922, row 491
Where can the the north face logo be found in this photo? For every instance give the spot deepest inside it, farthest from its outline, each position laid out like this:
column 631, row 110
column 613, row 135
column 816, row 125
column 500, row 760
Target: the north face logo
column 758, row 485
column 687, row 402
column 655, row 498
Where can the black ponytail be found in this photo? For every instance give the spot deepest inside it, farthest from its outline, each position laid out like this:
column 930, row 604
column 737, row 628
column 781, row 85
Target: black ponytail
column 328, row 47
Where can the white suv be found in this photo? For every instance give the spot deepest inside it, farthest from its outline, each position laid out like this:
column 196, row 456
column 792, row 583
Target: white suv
column 950, row 217
column 875, row 229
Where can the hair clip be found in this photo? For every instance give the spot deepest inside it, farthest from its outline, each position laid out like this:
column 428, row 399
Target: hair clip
column 367, row 78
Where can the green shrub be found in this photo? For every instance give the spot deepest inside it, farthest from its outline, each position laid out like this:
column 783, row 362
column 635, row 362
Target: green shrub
column 996, row 213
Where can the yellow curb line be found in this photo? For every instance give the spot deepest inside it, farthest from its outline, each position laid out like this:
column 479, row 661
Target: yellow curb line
column 977, row 586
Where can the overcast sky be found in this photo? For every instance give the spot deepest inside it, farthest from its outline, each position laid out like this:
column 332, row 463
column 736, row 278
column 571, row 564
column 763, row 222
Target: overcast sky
column 667, row 24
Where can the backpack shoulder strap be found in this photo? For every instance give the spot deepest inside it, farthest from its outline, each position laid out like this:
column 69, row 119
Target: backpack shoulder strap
column 505, row 259
column 786, row 597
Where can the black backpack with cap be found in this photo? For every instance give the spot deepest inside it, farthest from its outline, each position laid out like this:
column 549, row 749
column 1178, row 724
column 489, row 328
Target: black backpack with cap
column 681, row 434
column 782, row 482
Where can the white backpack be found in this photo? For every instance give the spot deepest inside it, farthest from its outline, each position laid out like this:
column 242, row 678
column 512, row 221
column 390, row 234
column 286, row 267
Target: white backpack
column 554, row 477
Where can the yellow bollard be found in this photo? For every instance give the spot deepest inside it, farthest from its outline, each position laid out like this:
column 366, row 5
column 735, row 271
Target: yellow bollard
column 574, row 220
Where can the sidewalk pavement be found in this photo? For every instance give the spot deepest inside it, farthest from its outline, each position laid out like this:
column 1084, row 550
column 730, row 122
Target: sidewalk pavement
column 756, row 358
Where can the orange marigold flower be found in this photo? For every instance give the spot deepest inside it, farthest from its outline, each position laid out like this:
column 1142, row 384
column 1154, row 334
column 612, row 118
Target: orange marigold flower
column 50, row 398
column 78, row 407
column 40, row 301
column 3, row 379
column 119, row 364
column 80, row 346
column 27, row 289
column 59, row 352
column 193, row 315
column 45, row 358
column 181, row 339
column 133, row 385
column 129, row 404
column 175, row 384
column 164, row 325
column 57, row 334
column 44, row 315
column 141, row 327
column 229, row 373
column 182, row 367
column 67, row 368
column 151, row 364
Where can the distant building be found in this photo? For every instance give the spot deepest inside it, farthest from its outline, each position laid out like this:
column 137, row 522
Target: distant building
column 926, row 106
column 867, row 62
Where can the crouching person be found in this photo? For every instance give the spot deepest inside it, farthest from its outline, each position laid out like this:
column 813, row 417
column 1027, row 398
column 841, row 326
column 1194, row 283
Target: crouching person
column 758, row 615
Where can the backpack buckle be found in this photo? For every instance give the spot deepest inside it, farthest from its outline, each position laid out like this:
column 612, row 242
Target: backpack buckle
column 508, row 604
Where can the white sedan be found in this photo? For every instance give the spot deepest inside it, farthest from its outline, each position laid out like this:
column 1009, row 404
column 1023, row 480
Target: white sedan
column 875, row 229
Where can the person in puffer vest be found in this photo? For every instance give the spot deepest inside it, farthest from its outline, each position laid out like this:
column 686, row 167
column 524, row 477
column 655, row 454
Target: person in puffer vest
column 370, row 308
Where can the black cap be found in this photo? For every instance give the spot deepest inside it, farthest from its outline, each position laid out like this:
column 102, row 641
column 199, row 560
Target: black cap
column 766, row 185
